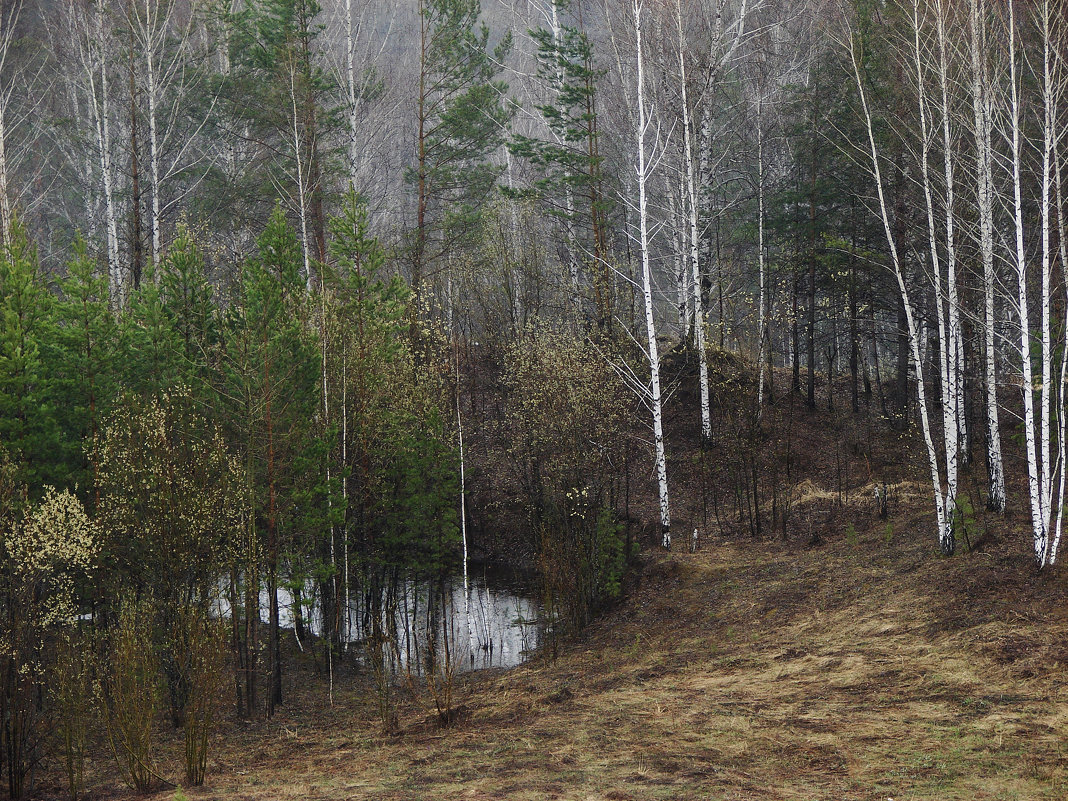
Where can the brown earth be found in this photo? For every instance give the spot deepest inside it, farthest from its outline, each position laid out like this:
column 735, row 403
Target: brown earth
column 866, row 668
column 837, row 657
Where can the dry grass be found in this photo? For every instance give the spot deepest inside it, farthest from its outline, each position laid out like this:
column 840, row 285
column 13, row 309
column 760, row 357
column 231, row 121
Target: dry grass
column 863, row 669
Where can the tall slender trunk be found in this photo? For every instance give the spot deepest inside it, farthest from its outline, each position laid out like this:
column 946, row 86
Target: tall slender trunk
column 1062, row 429
column 1035, row 476
column 682, row 305
column 795, row 336
column 353, row 93
column 981, row 111
column 8, row 20
column 152, row 91
column 302, row 183
column 274, row 645
column 1051, row 89
column 943, row 512
column 99, row 101
column 5, row 198
column 569, row 195
column 693, row 206
column 419, row 254
column 137, row 256
column 762, row 321
column 955, row 332
column 946, row 347
column 643, row 172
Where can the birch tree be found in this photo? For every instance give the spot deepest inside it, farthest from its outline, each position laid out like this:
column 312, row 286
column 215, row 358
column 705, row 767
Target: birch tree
column 165, row 38
column 982, row 113
column 948, row 311
column 88, row 37
column 647, row 156
column 944, row 502
column 693, row 209
column 363, row 30
column 1039, row 423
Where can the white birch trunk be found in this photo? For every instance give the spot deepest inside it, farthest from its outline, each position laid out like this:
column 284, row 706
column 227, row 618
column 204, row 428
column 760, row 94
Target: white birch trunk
column 682, row 305
column 151, row 90
column 694, row 208
column 1050, row 97
column 1055, row 540
column 943, row 515
column 463, row 517
column 1034, row 474
column 947, row 351
column 955, row 333
column 647, row 288
column 100, row 105
column 302, row 204
column 981, row 111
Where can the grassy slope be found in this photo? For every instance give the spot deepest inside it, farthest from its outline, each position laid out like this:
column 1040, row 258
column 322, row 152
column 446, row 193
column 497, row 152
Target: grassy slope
column 855, row 670
column 865, row 667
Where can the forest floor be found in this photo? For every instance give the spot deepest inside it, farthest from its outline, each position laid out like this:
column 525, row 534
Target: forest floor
column 836, row 657
column 862, row 668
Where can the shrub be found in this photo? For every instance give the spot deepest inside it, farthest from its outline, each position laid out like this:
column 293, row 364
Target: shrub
column 72, row 691
column 201, row 643
column 132, row 696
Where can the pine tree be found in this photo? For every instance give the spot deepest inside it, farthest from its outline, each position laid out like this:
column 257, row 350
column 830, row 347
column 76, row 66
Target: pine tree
column 365, row 327
column 570, row 160
column 149, row 346
column 277, row 93
column 271, row 375
column 28, row 427
column 462, row 115
column 85, row 362
column 189, row 304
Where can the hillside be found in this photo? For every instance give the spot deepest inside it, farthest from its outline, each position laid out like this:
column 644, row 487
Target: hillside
column 853, row 665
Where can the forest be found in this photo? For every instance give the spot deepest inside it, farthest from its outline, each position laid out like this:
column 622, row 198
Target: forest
column 615, row 399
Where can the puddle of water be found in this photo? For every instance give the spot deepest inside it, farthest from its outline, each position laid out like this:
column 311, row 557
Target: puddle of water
column 497, row 623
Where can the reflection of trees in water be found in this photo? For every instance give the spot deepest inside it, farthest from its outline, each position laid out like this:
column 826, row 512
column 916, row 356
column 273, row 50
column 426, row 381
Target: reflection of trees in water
column 498, row 627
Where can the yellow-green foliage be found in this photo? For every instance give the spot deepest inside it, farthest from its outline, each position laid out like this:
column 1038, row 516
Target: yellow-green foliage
column 172, row 498
column 45, row 550
column 133, row 696
column 202, row 641
column 73, row 693
column 54, row 545
column 565, row 412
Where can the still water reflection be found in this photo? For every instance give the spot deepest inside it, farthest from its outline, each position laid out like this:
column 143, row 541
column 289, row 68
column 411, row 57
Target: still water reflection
column 497, row 623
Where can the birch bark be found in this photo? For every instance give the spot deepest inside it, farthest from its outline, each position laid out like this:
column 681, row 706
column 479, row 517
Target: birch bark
column 1034, row 471
column 982, row 112
column 643, row 171
column 943, row 513
column 947, row 350
column 693, row 207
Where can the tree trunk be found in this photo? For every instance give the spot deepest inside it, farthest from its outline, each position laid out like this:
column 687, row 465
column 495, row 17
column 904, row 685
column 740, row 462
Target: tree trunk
column 647, row 291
